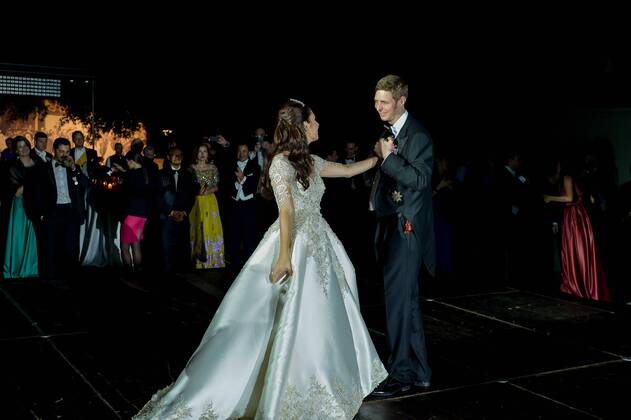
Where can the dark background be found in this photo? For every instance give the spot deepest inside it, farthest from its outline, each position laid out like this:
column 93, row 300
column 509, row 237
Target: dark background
column 475, row 87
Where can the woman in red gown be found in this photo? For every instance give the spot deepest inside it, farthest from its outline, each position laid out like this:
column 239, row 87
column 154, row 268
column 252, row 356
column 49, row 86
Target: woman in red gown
column 582, row 273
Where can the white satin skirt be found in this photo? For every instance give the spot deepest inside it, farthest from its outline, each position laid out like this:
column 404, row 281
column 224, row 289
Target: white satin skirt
column 299, row 350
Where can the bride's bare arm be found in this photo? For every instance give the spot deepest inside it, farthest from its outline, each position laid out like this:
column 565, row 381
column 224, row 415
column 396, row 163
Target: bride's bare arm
column 338, row 170
column 281, row 178
column 283, row 265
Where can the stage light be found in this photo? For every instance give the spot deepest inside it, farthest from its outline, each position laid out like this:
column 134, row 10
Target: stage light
column 30, row 86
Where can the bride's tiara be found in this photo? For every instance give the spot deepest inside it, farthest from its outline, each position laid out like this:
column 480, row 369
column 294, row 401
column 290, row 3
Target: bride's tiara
column 302, row 104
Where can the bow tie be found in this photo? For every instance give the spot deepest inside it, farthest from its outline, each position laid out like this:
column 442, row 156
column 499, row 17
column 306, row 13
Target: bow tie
column 58, row 164
column 175, row 170
column 388, row 132
column 391, row 129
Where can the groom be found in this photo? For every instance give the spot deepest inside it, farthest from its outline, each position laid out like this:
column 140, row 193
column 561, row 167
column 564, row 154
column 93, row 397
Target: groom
column 402, row 200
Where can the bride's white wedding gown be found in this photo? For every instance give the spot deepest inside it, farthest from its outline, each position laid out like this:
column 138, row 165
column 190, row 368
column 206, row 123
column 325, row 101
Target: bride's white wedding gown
column 299, row 350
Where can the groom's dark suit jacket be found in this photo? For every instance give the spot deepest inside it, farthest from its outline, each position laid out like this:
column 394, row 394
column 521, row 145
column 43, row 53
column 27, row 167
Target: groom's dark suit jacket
column 409, row 172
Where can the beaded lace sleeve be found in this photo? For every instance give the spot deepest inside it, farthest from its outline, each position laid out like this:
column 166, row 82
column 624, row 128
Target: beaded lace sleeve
column 282, row 175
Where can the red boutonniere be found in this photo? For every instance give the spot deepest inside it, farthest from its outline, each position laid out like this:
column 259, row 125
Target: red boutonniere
column 407, row 227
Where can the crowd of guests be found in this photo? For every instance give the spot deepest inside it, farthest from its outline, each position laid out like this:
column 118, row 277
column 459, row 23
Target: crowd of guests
column 69, row 207
column 559, row 224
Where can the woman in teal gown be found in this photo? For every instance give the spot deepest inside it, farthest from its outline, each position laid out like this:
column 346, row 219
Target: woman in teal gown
column 20, row 257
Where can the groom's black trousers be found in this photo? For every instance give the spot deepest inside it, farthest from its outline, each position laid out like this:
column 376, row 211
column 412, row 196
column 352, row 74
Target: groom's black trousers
column 400, row 256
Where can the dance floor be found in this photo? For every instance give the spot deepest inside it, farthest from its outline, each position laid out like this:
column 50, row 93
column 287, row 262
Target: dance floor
column 101, row 348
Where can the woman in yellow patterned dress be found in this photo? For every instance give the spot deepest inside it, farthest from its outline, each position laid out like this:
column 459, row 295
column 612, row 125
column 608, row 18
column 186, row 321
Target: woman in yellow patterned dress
column 206, row 232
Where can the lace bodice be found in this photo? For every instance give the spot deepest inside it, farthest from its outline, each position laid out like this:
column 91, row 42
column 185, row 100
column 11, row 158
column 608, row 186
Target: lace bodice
column 285, row 185
column 307, row 217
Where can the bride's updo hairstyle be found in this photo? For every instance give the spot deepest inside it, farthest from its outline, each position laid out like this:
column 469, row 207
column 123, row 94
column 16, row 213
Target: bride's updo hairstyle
column 290, row 136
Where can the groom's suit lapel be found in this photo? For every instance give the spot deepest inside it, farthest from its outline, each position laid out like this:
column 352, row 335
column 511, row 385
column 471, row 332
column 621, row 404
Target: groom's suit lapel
column 402, row 138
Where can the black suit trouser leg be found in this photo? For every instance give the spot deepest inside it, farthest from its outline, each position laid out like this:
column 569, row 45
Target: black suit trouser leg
column 401, row 259
column 176, row 245
column 243, row 228
column 61, row 232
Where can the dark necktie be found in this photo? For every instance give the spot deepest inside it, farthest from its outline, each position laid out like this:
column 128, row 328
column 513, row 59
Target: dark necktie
column 176, row 173
column 389, row 132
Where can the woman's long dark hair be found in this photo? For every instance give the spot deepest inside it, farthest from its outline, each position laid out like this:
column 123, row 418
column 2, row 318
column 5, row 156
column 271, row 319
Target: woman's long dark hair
column 136, row 157
column 290, row 136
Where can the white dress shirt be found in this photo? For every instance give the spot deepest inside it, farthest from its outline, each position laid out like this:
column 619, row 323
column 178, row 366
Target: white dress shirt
column 239, row 184
column 176, row 175
column 41, row 154
column 396, row 129
column 61, row 181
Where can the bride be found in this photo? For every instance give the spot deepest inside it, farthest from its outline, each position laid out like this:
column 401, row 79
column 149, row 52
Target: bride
column 288, row 341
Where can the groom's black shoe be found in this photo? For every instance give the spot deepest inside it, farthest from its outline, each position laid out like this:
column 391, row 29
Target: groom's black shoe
column 390, row 388
column 424, row 385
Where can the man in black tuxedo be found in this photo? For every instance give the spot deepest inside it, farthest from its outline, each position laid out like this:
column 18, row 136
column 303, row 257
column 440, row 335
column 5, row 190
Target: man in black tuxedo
column 176, row 201
column 402, row 199
column 517, row 214
column 56, row 201
column 244, row 227
column 118, row 158
column 39, row 153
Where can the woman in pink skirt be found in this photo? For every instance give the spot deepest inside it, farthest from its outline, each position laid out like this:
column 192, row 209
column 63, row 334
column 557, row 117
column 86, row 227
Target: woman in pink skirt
column 136, row 192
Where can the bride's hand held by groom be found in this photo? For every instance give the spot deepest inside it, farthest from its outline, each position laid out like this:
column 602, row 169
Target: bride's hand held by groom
column 383, row 147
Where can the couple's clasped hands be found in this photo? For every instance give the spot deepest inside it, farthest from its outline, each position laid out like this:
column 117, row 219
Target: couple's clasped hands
column 384, row 147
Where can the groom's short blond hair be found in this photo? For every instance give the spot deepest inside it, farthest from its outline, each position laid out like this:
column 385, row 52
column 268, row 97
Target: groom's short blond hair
column 393, row 84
